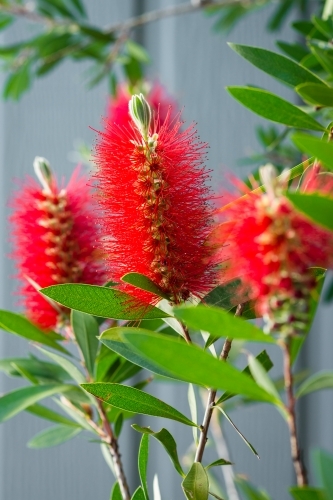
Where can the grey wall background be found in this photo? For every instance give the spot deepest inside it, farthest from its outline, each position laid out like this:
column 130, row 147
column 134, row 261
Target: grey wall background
column 194, row 65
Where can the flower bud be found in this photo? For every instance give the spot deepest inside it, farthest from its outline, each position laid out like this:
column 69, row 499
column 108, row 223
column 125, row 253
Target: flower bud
column 140, row 113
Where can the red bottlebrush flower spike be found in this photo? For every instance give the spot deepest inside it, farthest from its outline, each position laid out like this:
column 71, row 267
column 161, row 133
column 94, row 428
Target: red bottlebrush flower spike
column 159, row 101
column 270, row 247
column 53, row 235
column 156, row 209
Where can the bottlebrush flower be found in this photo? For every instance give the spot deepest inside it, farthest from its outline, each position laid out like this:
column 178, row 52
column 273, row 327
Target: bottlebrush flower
column 156, row 211
column 53, row 232
column 156, row 96
column 270, row 247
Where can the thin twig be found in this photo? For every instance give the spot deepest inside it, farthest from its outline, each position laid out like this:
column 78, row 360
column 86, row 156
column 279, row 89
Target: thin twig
column 30, row 15
column 299, row 467
column 114, row 451
column 211, row 397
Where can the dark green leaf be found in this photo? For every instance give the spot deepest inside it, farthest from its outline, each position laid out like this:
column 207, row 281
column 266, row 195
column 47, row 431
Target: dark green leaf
column 25, row 373
column 195, row 484
column 137, row 51
column 141, row 281
column 134, row 400
column 323, row 463
column 262, row 378
column 168, row 442
column 96, row 33
column 280, row 14
column 314, row 146
column 191, row 364
column 47, row 414
column 15, row 323
column 323, row 58
column 86, row 331
column 316, row 207
column 139, row 494
column 317, row 382
column 113, row 339
column 143, row 463
column 278, row 66
column 116, row 493
column 118, row 424
column 102, row 301
column 316, row 94
column 14, row 402
column 294, row 50
column 17, row 83
column 263, row 359
column 53, row 436
column 218, row 463
column 307, row 493
column 324, row 26
column 238, row 431
column 220, row 323
column 273, row 108
column 5, row 21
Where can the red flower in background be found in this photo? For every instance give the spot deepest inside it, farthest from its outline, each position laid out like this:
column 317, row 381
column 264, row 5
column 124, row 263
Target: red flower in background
column 157, row 97
column 54, row 233
column 270, row 247
column 156, row 211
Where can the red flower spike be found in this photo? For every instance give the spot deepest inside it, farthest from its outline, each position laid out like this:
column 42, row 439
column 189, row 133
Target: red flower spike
column 53, row 235
column 158, row 99
column 156, row 211
column 270, row 247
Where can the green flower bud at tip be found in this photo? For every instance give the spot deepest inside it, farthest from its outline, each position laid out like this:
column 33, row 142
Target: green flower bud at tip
column 43, row 172
column 140, row 113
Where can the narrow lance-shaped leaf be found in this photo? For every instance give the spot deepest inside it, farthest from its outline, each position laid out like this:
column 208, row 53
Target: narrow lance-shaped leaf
column 139, row 494
column 143, row 463
column 314, row 146
column 316, row 207
column 262, row 378
column 191, row 364
column 220, row 323
column 141, row 281
column 134, row 400
column 17, row 324
column 67, row 365
column 218, row 463
column 168, row 442
column 47, row 414
column 116, row 493
column 238, row 431
column 53, row 436
column 195, row 484
column 323, row 464
column 315, row 94
column 102, row 301
column 307, row 493
column 14, row 402
column 317, row 382
column 274, row 108
column 276, row 65
column 86, row 331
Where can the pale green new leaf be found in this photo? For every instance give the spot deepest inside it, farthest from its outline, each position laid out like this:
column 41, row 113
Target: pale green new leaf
column 143, row 463
column 317, row 382
column 53, row 436
column 86, row 331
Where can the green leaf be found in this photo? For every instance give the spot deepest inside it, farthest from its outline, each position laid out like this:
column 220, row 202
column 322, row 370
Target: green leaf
column 39, row 369
column 141, row 281
column 168, row 442
column 47, row 414
column 220, row 323
column 113, row 339
column 263, row 359
column 67, row 365
column 307, row 493
column 137, row 51
column 195, row 484
column 316, row 207
column 53, row 436
column 250, row 491
column 238, row 431
column 276, row 65
column 14, row 402
column 134, row 400
column 224, row 296
column 18, row 82
column 317, row 382
column 193, row 409
column 116, row 493
column 328, row 9
column 218, row 463
column 273, row 108
column 263, row 380
column 102, row 301
column 323, row 57
column 17, row 324
column 323, row 462
column 139, row 494
column 294, row 50
column 25, row 373
column 191, row 364
column 316, row 147
column 86, row 331
column 316, row 94
column 143, row 463
column 73, row 411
